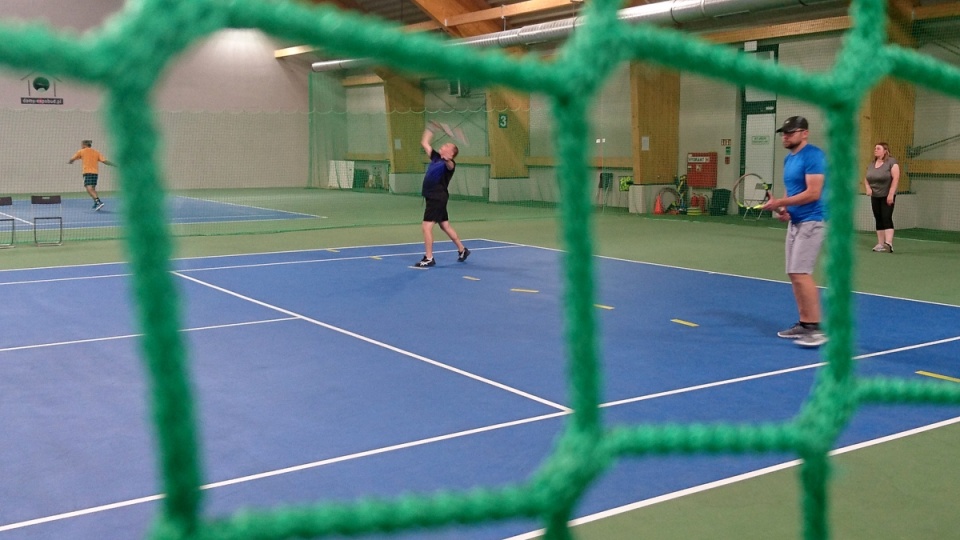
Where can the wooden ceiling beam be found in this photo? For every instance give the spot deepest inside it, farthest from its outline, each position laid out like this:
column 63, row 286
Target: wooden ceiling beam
column 936, row 11
column 512, row 10
column 350, row 5
column 442, row 11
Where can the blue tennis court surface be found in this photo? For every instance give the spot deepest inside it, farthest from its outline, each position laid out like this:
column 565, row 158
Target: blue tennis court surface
column 78, row 213
column 331, row 375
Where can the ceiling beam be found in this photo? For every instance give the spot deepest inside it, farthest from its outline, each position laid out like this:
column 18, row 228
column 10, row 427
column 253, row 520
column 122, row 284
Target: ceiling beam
column 803, row 28
column 442, row 11
column 936, row 11
column 350, row 5
column 504, row 11
column 424, row 26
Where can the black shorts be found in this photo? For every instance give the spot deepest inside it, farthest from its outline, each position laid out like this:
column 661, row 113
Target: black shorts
column 436, row 210
column 90, row 179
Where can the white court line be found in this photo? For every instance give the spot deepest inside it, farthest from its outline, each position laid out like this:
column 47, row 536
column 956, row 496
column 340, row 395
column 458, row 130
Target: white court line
column 752, row 278
column 273, row 211
column 130, row 336
column 334, row 259
column 732, row 480
column 52, row 280
column 503, row 246
column 228, row 267
column 20, row 219
column 773, row 373
column 304, row 261
column 78, row 513
column 381, row 344
column 287, row 470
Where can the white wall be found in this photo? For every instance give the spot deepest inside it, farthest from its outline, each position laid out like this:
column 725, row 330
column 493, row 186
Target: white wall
column 814, row 55
column 366, row 120
column 937, row 118
column 709, row 112
column 243, row 113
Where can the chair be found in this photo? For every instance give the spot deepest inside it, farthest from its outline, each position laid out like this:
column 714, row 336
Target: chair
column 6, row 215
column 751, row 192
column 47, row 208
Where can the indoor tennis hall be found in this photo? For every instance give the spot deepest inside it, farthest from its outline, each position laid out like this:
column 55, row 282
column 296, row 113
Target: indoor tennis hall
column 239, row 345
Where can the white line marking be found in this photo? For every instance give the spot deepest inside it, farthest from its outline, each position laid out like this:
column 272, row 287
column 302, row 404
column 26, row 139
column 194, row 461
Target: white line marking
column 259, row 253
column 327, row 260
column 710, row 385
column 16, row 218
column 286, row 470
column 660, row 265
column 383, row 450
column 228, row 267
column 130, row 336
column 770, row 373
column 52, row 280
column 273, row 211
column 381, row 344
column 78, row 513
column 732, row 480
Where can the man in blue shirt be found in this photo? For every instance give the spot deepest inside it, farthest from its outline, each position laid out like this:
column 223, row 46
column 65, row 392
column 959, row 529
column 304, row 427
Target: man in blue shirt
column 435, row 183
column 804, row 173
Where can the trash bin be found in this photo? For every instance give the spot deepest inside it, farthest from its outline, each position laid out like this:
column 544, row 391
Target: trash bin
column 720, row 202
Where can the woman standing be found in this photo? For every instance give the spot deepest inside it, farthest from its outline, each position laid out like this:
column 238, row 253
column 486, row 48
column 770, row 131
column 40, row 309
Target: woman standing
column 880, row 182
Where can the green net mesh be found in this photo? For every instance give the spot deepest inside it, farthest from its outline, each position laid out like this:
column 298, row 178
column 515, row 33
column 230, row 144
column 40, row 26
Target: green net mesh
column 127, row 56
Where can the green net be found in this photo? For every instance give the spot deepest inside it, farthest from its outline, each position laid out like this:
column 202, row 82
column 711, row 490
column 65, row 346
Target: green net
column 127, row 55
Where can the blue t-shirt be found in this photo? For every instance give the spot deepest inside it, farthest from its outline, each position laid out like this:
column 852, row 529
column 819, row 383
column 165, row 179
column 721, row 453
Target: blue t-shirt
column 809, row 160
column 437, row 177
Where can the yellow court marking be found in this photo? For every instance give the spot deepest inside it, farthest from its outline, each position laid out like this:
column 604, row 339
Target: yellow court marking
column 376, row 258
column 471, row 278
column 938, row 376
column 525, row 290
column 601, row 306
column 331, row 250
column 685, row 323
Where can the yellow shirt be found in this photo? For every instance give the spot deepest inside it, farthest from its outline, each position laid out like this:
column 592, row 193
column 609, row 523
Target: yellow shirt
column 91, row 160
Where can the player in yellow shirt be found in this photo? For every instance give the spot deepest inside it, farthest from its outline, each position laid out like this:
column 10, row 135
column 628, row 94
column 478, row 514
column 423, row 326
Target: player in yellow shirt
column 91, row 160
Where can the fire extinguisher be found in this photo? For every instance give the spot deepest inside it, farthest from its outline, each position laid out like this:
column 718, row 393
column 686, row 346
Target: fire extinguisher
column 695, row 201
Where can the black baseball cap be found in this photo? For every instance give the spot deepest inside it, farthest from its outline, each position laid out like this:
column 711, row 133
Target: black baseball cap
column 794, row 123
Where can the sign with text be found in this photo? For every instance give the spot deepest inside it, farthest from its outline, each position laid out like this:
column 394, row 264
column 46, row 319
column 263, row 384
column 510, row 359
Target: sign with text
column 41, row 90
column 702, row 169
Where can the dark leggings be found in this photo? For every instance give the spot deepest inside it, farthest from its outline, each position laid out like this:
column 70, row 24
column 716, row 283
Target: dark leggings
column 882, row 212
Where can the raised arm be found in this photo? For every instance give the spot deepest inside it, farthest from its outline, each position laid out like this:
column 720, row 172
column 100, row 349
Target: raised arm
column 428, row 136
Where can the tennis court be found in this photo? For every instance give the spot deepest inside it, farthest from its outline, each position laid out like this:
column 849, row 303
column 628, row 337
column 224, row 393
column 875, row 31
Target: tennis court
column 77, row 213
column 342, row 373
column 237, row 347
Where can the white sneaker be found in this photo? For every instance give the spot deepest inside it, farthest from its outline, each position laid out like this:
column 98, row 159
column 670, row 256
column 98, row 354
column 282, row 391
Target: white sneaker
column 811, row 340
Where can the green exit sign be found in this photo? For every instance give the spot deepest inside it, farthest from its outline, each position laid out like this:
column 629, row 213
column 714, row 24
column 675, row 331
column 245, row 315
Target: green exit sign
column 502, row 120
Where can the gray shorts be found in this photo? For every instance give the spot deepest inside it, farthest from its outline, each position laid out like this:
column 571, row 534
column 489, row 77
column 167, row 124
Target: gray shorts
column 803, row 246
